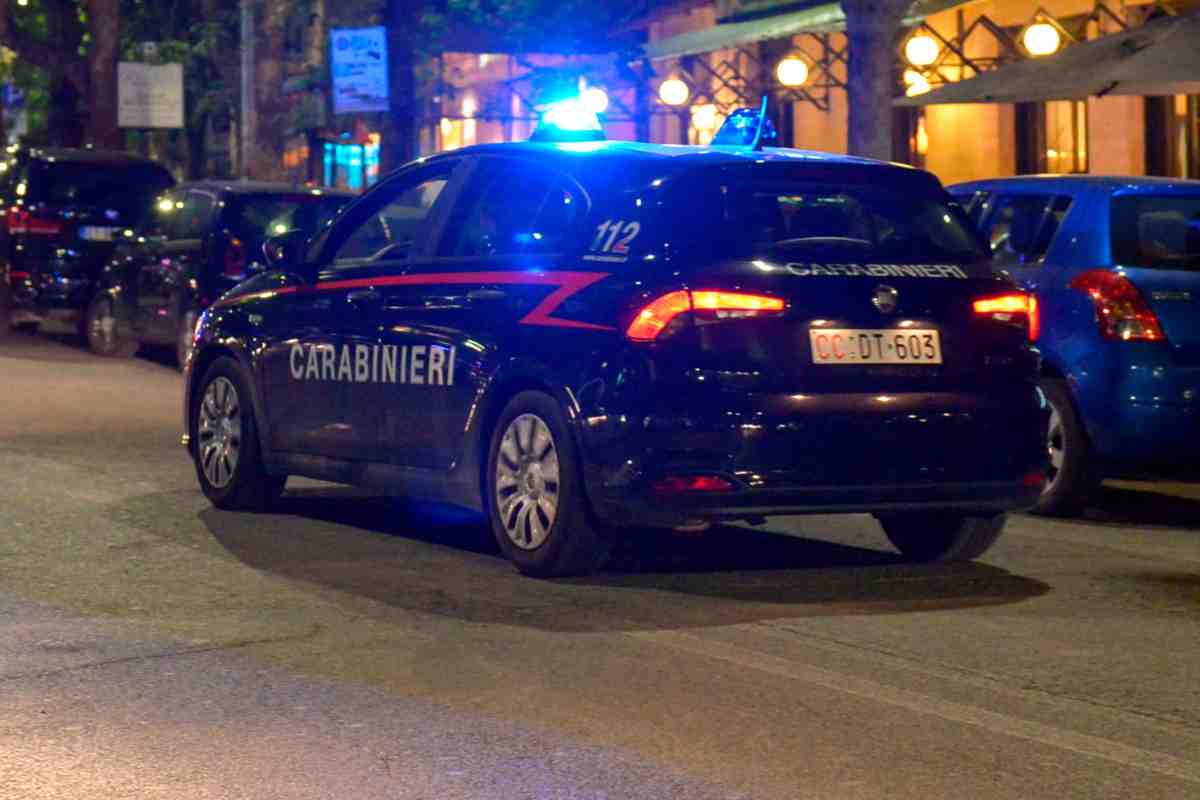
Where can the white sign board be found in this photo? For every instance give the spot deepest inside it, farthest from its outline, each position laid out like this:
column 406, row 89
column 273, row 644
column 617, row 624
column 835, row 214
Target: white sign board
column 358, row 60
column 149, row 95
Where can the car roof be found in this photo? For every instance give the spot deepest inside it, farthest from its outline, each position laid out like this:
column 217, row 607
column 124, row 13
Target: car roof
column 262, row 187
column 672, row 157
column 87, row 156
column 1080, row 183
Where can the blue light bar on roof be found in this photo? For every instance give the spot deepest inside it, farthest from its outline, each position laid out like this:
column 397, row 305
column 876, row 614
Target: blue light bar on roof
column 568, row 120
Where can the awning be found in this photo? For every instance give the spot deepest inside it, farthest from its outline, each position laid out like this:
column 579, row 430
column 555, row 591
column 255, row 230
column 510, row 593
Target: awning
column 1160, row 57
column 824, row 18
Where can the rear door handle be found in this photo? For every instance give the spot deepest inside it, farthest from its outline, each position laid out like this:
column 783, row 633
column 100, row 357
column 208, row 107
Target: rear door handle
column 363, row 296
column 486, row 294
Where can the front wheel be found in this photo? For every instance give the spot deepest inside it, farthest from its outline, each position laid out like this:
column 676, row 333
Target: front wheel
column 942, row 537
column 102, row 330
column 535, row 495
column 228, row 459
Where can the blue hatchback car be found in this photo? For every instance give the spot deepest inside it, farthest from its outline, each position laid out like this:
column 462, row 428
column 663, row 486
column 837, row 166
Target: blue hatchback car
column 1115, row 266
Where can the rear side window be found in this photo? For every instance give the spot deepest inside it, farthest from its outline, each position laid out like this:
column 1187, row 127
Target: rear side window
column 1156, row 231
column 515, row 208
column 127, row 189
column 824, row 221
column 1023, row 227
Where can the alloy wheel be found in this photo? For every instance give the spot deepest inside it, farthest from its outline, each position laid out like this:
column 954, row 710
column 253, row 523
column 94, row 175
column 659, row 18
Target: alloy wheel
column 102, row 327
column 527, row 481
column 220, row 432
column 1056, row 445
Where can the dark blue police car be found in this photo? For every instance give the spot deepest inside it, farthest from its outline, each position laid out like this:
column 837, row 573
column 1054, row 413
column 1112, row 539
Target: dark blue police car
column 579, row 338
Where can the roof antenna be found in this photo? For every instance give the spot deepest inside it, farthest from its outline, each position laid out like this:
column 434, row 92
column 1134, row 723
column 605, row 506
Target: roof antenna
column 762, row 122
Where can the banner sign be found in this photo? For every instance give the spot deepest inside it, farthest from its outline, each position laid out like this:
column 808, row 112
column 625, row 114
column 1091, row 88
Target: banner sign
column 359, row 64
column 149, row 95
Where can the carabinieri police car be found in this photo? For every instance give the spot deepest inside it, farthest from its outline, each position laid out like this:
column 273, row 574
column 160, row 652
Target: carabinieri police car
column 579, row 338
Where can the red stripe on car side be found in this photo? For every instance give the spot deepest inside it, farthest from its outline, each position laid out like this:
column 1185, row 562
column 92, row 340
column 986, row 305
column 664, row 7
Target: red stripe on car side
column 567, row 283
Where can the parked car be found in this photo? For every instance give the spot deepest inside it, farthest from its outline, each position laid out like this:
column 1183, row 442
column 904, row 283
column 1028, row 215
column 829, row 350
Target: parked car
column 63, row 210
column 202, row 239
column 1115, row 266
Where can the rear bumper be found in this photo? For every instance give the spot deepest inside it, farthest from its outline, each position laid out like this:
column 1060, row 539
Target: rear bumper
column 976, row 452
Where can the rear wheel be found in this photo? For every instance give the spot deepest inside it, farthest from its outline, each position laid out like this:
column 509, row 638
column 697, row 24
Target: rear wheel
column 228, row 460
column 535, row 495
column 102, row 330
column 1071, row 477
column 942, row 537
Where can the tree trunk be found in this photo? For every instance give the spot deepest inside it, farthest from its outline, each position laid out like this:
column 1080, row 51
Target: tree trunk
column 401, row 146
column 104, row 22
column 271, row 108
column 872, row 28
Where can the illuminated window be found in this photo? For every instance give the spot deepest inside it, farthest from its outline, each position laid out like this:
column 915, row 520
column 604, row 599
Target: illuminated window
column 1173, row 136
column 1052, row 137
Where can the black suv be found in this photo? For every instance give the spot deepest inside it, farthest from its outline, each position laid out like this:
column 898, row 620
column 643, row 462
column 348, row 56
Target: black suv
column 64, row 211
column 577, row 338
column 201, row 240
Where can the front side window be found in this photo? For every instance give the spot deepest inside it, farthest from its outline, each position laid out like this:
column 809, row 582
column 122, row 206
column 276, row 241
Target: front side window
column 1023, row 226
column 396, row 226
column 516, row 208
column 192, row 220
column 253, row 218
column 1156, row 231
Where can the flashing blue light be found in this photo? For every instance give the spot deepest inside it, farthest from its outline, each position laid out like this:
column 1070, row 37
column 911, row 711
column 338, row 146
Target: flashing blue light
column 568, row 120
column 740, row 128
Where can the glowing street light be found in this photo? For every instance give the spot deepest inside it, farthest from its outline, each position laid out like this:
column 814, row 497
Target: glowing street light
column 674, row 92
column 792, row 71
column 921, row 50
column 704, row 117
column 1041, row 39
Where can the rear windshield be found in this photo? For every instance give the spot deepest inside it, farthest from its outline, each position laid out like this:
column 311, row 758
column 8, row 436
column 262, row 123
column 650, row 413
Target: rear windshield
column 253, row 218
column 1156, row 231
column 127, row 189
column 852, row 223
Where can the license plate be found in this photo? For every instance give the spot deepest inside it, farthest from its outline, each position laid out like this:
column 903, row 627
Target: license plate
column 891, row 346
column 98, row 233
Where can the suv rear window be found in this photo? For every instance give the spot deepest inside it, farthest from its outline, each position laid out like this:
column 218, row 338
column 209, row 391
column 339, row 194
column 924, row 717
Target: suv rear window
column 253, row 218
column 1156, row 231
column 851, row 223
column 128, row 189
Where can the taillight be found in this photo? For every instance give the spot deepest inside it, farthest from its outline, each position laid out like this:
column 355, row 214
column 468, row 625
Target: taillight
column 1017, row 307
column 22, row 221
column 652, row 319
column 693, row 483
column 235, row 259
column 1121, row 311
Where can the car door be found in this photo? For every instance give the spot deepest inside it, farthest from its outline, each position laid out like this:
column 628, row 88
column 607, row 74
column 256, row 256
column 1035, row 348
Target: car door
column 165, row 280
column 502, row 238
column 1021, row 228
column 329, row 379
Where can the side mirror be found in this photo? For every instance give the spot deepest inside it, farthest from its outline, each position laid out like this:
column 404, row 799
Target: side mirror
column 285, row 250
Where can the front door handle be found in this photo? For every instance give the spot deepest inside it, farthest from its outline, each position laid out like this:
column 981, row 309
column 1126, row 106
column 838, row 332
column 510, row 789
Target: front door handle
column 363, row 296
column 486, row 294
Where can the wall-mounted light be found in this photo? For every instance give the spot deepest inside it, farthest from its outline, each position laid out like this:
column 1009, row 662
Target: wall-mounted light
column 673, row 92
column 704, row 117
column 1041, row 39
column 921, row 50
column 915, row 83
column 596, row 99
column 792, row 70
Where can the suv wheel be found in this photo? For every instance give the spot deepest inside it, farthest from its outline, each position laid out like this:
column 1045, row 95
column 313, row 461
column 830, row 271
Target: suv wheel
column 228, row 460
column 535, row 495
column 1071, row 478
column 102, row 330
column 942, row 537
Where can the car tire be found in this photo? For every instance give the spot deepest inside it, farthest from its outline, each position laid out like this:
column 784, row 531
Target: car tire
column 185, row 336
column 1071, row 478
column 226, row 450
column 535, row 495
column 102, row 330
column 938, row 537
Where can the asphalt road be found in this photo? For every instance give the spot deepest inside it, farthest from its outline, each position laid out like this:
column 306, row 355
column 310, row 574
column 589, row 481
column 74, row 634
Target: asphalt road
column 356, row 646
